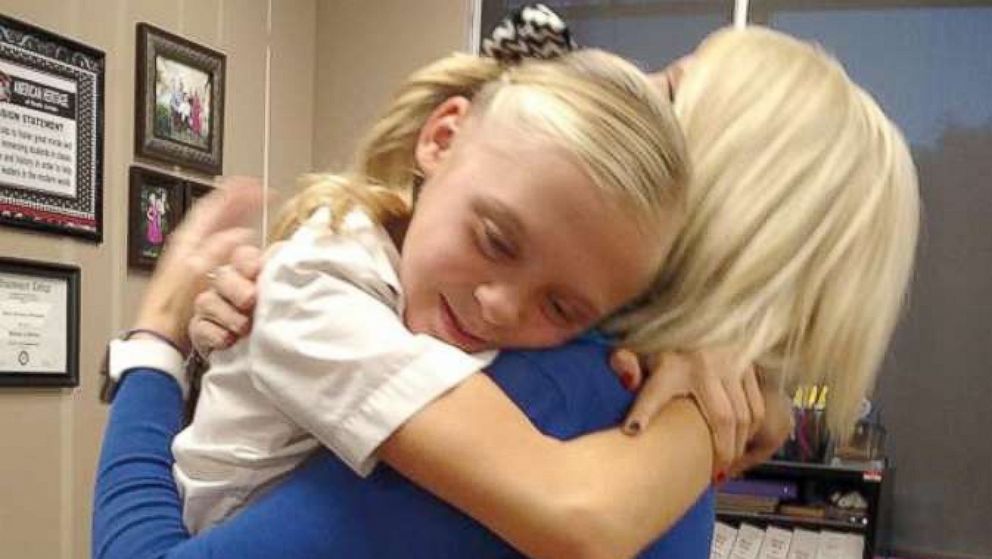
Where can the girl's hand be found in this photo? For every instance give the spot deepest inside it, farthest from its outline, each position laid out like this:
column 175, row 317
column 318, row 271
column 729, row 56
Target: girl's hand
column 205, row 239
column 729, row 398
column 222, row 312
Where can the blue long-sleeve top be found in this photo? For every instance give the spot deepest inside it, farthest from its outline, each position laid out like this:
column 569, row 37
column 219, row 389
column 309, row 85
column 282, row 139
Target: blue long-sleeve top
column 322, row 509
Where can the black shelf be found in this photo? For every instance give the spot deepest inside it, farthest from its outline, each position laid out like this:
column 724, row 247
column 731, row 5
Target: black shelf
column 813, row 478
column 871, row 472
column 766, row 518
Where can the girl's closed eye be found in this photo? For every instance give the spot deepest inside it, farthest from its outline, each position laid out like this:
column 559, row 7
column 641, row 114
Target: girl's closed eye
column 494, row 244
column 561, row 312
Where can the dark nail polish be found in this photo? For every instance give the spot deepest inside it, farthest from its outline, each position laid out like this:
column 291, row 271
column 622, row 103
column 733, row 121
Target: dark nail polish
column 633, row 427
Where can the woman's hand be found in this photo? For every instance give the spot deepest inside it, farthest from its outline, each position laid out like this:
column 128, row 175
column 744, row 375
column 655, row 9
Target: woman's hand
column 222, row 313
column 205, row 239
column 772, row 433
column 729, row 397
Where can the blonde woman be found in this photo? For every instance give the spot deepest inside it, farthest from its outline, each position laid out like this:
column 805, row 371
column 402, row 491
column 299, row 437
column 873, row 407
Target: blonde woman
column 802, row 219
column 613, row 495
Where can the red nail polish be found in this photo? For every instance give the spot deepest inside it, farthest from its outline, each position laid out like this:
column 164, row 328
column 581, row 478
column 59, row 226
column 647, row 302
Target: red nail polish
column 627, row 380
column 720, row 477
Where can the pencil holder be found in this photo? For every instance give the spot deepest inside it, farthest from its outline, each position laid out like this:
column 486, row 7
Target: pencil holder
column 809, row 439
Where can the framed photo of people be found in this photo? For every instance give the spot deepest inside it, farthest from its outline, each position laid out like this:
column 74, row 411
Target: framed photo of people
column 39, row 323
column 51, row 132
column 156, row 204
column 179, row 101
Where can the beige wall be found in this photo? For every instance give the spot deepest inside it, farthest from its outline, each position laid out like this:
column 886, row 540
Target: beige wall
column 364, row 49
column 49, row 439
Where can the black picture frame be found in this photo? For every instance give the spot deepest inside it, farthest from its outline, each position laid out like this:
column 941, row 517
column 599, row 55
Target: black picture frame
column 52, row 110
column 179, row 101
column 195, row 191
column 156, row 205
column 35, row 272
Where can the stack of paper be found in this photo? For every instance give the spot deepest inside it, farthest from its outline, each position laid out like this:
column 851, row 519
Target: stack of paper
column 749, row 542
column 724, row 537
column 837, row 545
column 776, row 544
column 805, row 544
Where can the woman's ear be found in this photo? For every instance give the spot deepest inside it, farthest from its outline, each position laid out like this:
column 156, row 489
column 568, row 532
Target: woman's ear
column 438, row 133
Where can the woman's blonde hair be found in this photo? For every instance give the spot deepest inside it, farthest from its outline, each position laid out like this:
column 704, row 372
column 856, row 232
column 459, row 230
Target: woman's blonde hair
column 801, row 220
column 598, row 107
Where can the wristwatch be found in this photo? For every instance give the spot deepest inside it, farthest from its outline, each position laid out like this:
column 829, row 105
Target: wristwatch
column 126, row 354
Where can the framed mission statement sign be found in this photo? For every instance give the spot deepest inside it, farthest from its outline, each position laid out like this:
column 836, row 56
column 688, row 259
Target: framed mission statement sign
column 51, row 132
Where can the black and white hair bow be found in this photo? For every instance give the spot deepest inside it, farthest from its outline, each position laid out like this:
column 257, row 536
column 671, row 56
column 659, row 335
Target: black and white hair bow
column 532, row 31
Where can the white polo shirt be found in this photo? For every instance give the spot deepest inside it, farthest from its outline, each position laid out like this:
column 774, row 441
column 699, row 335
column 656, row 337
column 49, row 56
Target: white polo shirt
column 329, row 362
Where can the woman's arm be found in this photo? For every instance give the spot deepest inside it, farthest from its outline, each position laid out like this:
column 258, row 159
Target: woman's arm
column 137, row 512
column 601, row 495
column 134, row 477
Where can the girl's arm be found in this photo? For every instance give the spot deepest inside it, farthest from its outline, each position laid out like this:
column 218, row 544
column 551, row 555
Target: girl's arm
column 604, row 493
column 352, row 383
column 601, row 495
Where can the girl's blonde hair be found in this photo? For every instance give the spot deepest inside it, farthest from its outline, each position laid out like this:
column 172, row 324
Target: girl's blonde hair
column 801, row 220
column 598, row 107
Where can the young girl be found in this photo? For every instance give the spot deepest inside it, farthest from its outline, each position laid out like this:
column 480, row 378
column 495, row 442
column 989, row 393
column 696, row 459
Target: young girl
column 550, row 196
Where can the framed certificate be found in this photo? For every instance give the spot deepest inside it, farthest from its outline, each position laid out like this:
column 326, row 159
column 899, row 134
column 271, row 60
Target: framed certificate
column 51, row 132
column 39, row 323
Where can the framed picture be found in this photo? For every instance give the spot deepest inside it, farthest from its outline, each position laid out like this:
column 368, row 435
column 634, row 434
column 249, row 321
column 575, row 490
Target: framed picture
column 179, row 101
column 156, row 203
column 39, row 323
column 51, row 132
column 195, row 191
